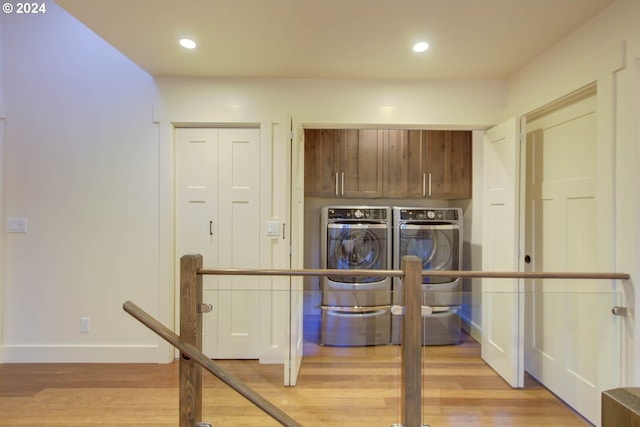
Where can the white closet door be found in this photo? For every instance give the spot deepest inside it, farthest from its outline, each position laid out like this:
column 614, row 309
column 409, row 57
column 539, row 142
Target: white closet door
column 221, row 167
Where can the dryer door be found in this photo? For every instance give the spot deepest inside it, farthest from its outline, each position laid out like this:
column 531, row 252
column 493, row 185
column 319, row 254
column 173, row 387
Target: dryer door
column 437, row 246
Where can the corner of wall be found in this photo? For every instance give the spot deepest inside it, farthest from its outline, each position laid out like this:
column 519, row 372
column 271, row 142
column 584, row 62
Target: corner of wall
column 2, row 108
column 2, row 117
column 1, row 212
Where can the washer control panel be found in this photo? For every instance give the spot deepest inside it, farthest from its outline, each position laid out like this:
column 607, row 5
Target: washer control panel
column 357, row 213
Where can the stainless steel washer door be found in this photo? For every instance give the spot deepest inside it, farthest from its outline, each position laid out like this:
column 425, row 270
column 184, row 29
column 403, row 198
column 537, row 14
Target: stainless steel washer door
column 361, row 246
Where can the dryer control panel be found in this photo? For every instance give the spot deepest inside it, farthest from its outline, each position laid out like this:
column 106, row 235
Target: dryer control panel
column 429, row 214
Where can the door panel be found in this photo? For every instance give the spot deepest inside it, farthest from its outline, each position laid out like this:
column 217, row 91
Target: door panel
column 403, row 164
column 239, row 239
column 502, row 329
column 196, row 204
column 361, row 154
column 321, row 162
column 448, row 164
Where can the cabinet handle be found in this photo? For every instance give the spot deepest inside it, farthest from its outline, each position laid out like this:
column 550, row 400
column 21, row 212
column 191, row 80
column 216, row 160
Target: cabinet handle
column 337, row 184
column 429, row 185
column 210, row 228
column 342, row 186
column 424, row 184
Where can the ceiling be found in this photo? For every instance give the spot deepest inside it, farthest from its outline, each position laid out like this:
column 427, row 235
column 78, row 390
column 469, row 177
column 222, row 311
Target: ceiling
column 334, row 39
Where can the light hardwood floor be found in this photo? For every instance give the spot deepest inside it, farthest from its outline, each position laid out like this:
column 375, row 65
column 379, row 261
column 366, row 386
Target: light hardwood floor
column 346, row 387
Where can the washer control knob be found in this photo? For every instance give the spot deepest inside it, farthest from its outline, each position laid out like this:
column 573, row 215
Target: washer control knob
column 358, row 214
column 431, row 214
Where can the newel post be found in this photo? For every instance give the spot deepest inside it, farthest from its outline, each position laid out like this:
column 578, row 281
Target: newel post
column 411, row 354
column 190, row 373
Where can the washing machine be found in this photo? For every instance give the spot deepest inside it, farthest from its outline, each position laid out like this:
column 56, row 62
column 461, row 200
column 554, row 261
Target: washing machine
column 356, row 311
column 434, row 235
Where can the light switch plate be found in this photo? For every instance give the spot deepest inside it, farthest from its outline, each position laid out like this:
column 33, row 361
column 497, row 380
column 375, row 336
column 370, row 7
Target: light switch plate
column 16, row 225
column 273, row 228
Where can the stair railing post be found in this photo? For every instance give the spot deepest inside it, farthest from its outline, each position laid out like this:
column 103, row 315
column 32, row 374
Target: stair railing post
column 411, row 353
column 190, row 373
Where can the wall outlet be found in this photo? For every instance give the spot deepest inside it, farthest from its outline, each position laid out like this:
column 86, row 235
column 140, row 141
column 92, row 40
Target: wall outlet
column 85, row 324
column 16, row 225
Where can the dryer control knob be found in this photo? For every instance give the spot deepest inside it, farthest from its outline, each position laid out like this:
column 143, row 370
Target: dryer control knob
column 358, row 214
column 431, row 214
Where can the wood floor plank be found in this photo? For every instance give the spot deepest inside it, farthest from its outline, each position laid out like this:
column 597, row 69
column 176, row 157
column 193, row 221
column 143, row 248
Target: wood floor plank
column 354, row 387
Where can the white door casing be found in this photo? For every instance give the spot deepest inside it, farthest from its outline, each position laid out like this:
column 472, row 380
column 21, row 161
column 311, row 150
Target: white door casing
column 502, row 301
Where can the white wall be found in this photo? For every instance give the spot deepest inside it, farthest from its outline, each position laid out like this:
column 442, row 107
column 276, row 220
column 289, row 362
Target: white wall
column 468, row 104
column 607, row 50
column 471, row 313
column 81, row 165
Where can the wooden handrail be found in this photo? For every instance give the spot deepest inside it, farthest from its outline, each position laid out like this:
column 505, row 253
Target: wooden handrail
column 303, row 272
column 429, row 273
column 201, row 359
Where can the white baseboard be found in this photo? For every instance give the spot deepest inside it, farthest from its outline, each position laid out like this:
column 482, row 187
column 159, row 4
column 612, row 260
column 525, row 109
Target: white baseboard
column 86, row 354
column 471, row 328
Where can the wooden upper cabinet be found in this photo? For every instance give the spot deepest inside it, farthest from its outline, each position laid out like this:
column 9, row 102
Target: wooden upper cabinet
column 448, row 164
column 427, row 164
column 403, row 164
column 361, row 153
column 320, row 162
column 389, row 163
column 343, row 163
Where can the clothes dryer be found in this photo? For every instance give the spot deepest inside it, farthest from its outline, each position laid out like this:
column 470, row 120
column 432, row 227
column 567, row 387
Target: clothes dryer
column 356, row 310
column 434, row 236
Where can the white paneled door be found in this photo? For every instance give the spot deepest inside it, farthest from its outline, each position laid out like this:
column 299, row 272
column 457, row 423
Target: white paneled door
column 573, row 340
column 502, row 328
column 217, row 215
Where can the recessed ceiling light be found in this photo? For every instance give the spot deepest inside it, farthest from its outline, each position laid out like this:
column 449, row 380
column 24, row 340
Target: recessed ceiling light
column 420, row 47
column 187, row 43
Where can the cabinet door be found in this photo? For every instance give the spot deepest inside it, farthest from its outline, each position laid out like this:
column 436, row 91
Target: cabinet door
column 404, row 166
column 320, row 162
column 448, row 157
column 361, row 163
